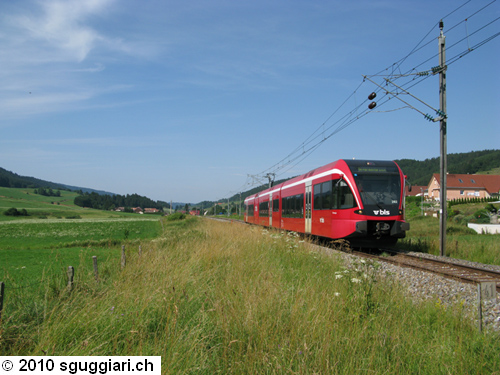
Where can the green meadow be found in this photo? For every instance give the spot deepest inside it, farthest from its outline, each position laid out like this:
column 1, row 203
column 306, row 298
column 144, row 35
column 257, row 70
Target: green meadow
column 211, row 297
column 57, row 234
column 43, row 207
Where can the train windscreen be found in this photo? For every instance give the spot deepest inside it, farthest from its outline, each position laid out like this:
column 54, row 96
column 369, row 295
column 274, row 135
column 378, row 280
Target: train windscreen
column 379, row 187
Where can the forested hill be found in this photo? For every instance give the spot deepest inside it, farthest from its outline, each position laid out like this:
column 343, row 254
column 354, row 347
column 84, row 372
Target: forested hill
column 420, row 172
column 88, row 197
column 13, row 180
column 10, row 179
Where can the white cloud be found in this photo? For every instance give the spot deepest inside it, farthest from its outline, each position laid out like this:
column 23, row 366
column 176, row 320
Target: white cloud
column 63, row 25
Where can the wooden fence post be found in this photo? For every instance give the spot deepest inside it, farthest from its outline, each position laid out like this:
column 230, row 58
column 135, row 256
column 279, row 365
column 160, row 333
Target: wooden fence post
column 71, row 275
column 140, row 250
column 96, row 272
column 2, row 292
column 124, row 261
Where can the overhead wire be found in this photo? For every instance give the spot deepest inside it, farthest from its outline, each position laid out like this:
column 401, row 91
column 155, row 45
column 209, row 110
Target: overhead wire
column 323, row 132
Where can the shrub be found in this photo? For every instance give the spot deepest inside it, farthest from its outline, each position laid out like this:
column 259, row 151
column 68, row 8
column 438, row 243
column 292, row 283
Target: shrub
column 176, row 216
column 73, row 217
column 481, row 216
column 489, row 207
column 14, row 212
column 459, row 219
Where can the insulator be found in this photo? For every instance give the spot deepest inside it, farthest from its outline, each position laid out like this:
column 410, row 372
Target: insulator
column 372, row 96
column 372, row 105
column 436, row 69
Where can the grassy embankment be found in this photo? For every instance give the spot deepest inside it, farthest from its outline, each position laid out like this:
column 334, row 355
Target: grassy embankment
column 461, row 241
column 215, row 297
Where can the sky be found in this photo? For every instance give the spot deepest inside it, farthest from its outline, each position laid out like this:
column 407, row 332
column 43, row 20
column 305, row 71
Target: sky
column 198, row 100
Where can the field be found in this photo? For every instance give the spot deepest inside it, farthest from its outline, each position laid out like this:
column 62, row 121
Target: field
column 42, row 207
column 224, row 298
column 213, row 297
column 461, row 242
column 32, row 247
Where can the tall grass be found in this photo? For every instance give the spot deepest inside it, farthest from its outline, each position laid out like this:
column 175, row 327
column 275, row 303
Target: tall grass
column 461, row 242
column 215, row 297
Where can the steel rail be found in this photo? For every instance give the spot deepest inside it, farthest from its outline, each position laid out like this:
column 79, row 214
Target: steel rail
column 464, row 273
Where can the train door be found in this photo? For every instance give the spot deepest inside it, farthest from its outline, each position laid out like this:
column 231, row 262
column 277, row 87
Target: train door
column 271, row 209
column 308, row 206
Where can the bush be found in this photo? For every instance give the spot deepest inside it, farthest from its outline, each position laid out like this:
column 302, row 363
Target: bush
column 459, row 219
column 491, row 208
column 176, row 216
column 414, row 199
column 482, row 216
column 14, row 212
column 479, row 217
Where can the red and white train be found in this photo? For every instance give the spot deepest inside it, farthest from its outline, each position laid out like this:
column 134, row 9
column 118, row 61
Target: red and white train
column 358, row 200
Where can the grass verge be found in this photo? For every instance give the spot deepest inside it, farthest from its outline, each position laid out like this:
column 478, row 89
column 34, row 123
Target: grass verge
column 215, row 297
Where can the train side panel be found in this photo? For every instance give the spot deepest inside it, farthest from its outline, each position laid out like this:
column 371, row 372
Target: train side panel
column 350, row 199
column 293, row 208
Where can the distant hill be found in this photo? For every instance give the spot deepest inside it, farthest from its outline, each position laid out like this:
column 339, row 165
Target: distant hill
column 475, row 162
column 91, row 198
column 420, row 172
column 11, row 179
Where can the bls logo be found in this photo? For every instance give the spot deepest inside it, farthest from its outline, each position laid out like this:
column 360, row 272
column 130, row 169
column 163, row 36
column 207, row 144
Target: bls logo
column 381, row 212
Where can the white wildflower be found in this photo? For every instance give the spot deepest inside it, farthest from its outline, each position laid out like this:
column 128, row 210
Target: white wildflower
column 354, row 280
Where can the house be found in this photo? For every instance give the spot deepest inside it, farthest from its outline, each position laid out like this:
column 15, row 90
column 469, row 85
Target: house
column 465, row 186
column 151, row 210
column 137, row 210
column 120, row 209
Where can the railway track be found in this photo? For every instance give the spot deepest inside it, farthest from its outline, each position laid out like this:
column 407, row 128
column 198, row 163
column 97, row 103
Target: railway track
column 449, row 269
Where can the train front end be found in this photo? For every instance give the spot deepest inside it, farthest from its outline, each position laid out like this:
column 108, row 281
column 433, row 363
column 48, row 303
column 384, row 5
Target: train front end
column 380, row 189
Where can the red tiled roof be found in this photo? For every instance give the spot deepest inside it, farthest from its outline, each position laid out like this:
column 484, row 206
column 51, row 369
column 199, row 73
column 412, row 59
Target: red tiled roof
column 488, row 182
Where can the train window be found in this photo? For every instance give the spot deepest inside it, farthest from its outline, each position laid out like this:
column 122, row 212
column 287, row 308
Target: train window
column 383, row 189
column 317, row 198
column 264, row 209
column 326, row 190
column 334, row 195
column 323, row 196
column 345, row 196
column 276, row 205
column 250, row 210
column 293, row 206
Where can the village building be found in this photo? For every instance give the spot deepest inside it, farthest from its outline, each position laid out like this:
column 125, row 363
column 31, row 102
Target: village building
column 465, row 186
